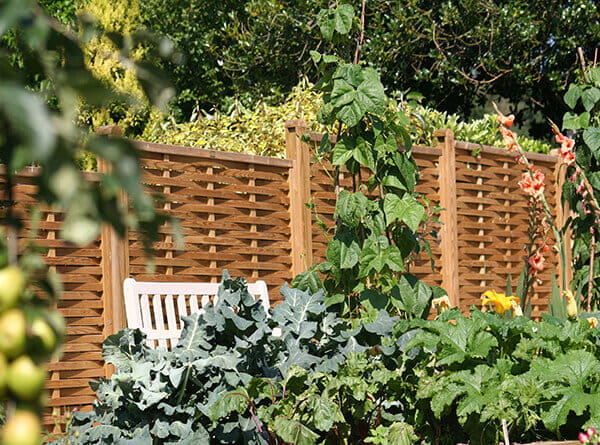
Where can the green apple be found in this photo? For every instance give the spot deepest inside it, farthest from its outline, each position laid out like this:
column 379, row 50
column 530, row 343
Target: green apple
column 12, row 284
column 25, row 379
column 44, row 338
column 13, row 331
column 23, row 428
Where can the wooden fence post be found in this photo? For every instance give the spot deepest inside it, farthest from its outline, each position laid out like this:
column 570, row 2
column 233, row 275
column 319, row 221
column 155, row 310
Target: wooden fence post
column 448, row 217
column 300, row 216
column 115, row 261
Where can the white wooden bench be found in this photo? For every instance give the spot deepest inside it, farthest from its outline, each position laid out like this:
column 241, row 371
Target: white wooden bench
column 156, row 308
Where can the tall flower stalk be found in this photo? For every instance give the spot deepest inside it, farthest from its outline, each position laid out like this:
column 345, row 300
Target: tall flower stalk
column 532, row 183
column 541, row 218
column 587, row 198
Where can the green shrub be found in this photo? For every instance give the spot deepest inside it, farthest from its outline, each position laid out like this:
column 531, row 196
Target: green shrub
column 453, row 379
column 259, row 129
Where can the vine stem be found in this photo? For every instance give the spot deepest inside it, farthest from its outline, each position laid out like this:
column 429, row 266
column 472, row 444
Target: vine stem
column 361, row 39
column 591, row 273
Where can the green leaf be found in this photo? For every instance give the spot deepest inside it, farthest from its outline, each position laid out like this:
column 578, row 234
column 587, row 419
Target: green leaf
column 349, row 251
column 343, row 151
column 343, row 16
column 364, row 154
column 569, row 377
column 572, row 95
column 351, row 114
column 412, row 296
column 342, row 94
column 591, row 137
column 370, row 92
column 374, row 298
column 590, row 97
column 294, row 432
column 407, row 210
column 351, row 208
column 573, row 121
column 324, row 413
column 236, row 401
column 30, row 119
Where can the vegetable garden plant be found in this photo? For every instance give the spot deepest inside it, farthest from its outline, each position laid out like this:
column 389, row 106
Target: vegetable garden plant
column 356, row 361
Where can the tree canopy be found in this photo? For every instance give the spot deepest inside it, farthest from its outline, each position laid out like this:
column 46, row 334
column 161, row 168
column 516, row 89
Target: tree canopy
column 456, row 53
column 459, row 54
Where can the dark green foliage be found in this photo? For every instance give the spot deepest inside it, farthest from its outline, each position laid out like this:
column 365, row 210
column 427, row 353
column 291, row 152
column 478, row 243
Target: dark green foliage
column 453, row 379
column 583, row 98
column 231, row 48
column 456, row 53
column 170, row 395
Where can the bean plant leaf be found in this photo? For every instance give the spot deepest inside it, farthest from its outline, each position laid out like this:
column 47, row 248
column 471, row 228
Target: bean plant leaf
column 590, row 98
column 343, row 151
column 572, row 95
column 573, row 121
column 343, row 16
column 405, row 209
column 591, row 136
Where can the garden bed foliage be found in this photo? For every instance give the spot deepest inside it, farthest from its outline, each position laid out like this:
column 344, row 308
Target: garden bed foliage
column 391, row 381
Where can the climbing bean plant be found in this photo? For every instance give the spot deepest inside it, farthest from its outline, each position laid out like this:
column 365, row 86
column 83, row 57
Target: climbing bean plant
column 377, row 222
column 582, row 186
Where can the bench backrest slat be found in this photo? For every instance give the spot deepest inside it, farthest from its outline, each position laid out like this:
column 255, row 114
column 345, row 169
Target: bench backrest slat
column 156, row 308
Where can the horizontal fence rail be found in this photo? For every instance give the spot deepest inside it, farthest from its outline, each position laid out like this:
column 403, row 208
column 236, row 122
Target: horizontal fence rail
column 247, row 214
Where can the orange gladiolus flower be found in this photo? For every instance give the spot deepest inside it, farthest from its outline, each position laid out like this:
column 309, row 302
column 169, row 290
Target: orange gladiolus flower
column 533, row 185
column 506, row 120
column 536, row 262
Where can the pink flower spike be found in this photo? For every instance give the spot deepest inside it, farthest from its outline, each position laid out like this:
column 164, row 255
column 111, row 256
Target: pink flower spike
column 583, row 437
column 569, row 158
column 536, row 261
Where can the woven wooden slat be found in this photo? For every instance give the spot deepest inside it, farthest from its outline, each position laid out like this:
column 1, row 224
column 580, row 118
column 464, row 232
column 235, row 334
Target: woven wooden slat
column 82, row 304
column 234, row 213
column 493, row 223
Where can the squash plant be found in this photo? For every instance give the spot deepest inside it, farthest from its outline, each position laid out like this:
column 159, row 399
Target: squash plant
column 376, row 234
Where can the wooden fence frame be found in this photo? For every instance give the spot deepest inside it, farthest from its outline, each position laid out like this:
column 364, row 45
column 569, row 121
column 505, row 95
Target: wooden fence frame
column 445, row 169
column 298, row 152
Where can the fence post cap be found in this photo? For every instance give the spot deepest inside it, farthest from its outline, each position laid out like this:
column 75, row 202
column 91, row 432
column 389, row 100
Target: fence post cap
column 295, row 123
column 110, row 130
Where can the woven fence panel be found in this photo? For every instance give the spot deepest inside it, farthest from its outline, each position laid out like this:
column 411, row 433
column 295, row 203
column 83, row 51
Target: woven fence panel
column 428, row 185
column 493, row 223
column 81, row 304
column 233, row 212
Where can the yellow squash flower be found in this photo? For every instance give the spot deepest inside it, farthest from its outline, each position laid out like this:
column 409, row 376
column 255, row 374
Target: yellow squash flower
column 501, row 302
column 593, row 321
column 571, row 304
column 517, row 311
column 442, row 304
